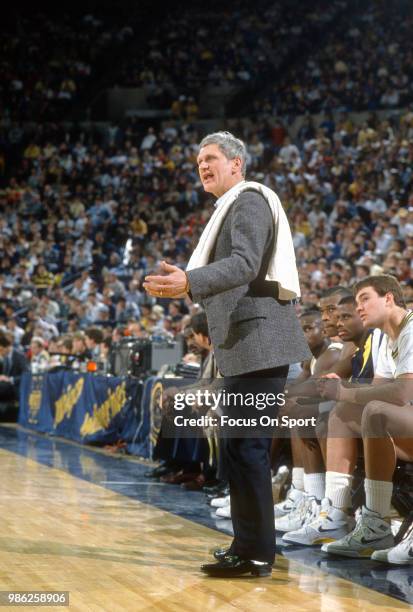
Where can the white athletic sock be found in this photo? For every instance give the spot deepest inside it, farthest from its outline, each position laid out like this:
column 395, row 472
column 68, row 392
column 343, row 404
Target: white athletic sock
column 298, row 478
column 315, row 484
column 378, row 496
column 338, row 489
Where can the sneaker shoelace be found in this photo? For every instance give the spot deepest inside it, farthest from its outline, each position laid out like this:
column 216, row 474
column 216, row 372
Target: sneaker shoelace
column 300, row 508
column 312, row 510
column 361, row 529
column 306, row 510
column 289, row 496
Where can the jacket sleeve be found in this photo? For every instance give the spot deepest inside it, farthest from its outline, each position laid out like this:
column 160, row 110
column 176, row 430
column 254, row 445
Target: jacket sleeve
column 252, row 228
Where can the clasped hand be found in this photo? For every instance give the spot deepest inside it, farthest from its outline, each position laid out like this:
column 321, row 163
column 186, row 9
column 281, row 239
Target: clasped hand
column 329, row 386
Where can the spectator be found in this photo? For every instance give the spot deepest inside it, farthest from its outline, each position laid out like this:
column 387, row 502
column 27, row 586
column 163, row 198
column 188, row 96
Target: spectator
column 39, row 361
column 93, row 339
column 14, row 364
column 42, row 279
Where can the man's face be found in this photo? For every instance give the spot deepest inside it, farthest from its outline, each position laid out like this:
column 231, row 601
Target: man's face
column 135, row 330
column 4, row 350
column 35, row 348
column 191, row 343
column 78, row 346
column 371, row 307
column 90, row 344
column 329, row 314
column 311, row 326
column 217, row 173
column 349, row 325
column 201, row 341
column 62, row 348
column 408, row 292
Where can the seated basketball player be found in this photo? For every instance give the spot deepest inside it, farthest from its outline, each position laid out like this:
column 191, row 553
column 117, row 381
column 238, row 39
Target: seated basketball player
column 381, row 413
column 359, row 367
column 326, row 353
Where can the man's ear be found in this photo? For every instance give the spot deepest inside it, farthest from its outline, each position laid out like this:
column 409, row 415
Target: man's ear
column 236, row 165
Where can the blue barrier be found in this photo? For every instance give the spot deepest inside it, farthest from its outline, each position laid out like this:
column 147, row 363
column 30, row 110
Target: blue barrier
column 95, row 409
column 87, row 408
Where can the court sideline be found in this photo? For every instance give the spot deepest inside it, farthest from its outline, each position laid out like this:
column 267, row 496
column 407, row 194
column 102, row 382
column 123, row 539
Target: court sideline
column 75, row 519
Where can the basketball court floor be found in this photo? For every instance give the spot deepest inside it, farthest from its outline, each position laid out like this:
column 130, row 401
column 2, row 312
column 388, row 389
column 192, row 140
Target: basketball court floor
column 77, row 519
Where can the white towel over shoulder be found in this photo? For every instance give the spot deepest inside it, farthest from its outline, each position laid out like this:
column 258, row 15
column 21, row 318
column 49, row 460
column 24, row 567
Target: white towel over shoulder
column 282, row 267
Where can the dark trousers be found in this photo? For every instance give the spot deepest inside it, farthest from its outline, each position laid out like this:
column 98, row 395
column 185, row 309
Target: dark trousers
column 248, row 467
column 8, row 392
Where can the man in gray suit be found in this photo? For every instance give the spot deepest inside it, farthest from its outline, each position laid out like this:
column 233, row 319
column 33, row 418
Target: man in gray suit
column 255, row 336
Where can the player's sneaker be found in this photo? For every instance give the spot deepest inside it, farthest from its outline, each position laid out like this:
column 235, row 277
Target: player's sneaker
column 370, row 533
column 328, row 524
column 402, row 554
column 224, row 512
column 220, row 502
column 281, row 476
column 313, row 510
column 289, row 504
column 294, row 519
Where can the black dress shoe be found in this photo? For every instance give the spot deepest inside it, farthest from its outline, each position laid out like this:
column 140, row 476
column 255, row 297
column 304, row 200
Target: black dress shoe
column 221, row 553
column 159, row 471
column 222, row 492
column 217, row 489
column 233, row 566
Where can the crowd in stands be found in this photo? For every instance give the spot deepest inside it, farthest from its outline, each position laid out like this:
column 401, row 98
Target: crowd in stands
column 359, row 66
column 217, row 46
column 353, row 59
column 49, row 60
column 46, row 61
column 85, row 217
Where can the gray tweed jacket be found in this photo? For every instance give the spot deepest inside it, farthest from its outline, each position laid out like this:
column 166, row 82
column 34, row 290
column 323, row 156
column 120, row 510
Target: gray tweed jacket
column 250, row 329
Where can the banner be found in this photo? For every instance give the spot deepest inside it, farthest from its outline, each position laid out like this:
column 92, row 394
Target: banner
column 100, row 410
column 145, row 436
column 87, row 408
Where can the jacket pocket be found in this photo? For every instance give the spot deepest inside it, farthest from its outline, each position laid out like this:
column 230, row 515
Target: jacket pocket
column 245, row 312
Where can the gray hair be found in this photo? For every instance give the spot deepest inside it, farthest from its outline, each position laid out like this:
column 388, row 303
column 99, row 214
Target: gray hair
column 230, row 146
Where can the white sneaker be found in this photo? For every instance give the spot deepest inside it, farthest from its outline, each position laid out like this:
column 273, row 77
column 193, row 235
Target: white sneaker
column 402, row 554
column 324, row 524
column 224, row 512
column 370, row 533
column 220, row 502
column 281, row 476
column 290, row 502
column 313, row 510
column 294, row 519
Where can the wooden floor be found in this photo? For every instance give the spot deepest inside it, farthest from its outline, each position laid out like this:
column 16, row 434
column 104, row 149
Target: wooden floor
column 111, row 552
